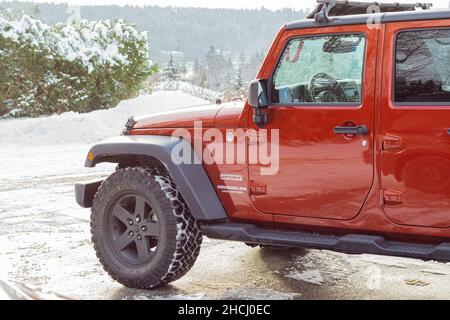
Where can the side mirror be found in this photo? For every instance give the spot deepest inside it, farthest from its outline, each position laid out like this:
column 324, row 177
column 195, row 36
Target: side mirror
column 258, row 100
column 257, row 94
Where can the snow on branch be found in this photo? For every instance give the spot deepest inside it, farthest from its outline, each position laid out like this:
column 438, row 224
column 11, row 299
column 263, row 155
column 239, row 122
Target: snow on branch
column 81, row 66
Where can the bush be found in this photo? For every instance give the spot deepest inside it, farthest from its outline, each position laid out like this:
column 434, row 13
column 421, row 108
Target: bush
column 79, row 67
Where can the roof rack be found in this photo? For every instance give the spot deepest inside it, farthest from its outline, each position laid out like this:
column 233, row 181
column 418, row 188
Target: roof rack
column 327, row 8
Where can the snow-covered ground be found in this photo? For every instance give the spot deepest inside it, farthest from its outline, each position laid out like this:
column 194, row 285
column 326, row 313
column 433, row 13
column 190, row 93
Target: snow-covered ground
column 88, row 128
column 45, row 240
column 188, row 88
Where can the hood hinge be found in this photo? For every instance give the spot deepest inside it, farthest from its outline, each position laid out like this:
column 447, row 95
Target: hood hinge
column 129, row 126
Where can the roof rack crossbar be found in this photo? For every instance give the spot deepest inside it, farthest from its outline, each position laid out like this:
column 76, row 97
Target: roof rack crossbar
column 327, row 8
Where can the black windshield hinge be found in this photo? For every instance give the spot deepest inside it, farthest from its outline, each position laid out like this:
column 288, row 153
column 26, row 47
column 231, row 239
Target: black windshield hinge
column 129, row 126
column 323, row 16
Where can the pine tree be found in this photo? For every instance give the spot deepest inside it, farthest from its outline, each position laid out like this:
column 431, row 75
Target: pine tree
column 239, row 81
column 171, row 71
column 196, row 65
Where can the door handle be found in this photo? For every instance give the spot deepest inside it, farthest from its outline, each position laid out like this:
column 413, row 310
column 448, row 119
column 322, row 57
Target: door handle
column 448, row 131
column 359, row 130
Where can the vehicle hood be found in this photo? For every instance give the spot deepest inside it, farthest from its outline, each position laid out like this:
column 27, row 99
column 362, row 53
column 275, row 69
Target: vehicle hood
column 186, row 117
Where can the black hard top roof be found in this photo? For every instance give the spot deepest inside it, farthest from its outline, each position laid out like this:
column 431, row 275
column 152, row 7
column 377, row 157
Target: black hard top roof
column 364, row 18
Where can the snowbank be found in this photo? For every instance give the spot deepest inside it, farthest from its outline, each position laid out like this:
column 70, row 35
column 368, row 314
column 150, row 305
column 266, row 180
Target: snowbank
column 188, row 88
column 91, row 127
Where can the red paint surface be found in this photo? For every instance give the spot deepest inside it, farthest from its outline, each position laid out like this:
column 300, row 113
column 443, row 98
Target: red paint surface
column 327, row 182
column 322, row 174
column 420, row 169
column 180, row 118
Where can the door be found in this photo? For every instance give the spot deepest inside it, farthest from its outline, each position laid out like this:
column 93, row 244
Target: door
column 415, row 124
column 322, row 104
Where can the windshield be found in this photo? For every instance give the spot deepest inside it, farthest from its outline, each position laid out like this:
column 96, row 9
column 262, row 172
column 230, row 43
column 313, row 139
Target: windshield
column 340, row 56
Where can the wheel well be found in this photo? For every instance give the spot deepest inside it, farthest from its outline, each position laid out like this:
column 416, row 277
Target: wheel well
column 125, row 161
column 156, row 151
column 412, row 156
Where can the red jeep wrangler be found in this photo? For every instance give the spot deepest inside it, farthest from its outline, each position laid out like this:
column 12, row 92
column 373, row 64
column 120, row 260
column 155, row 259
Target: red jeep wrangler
column 351, row 105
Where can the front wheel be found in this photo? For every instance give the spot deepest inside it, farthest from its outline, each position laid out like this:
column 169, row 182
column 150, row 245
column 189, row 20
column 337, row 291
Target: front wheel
column 143, row 231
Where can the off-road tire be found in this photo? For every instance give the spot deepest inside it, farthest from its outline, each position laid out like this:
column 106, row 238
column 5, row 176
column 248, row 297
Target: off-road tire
column 180, row 237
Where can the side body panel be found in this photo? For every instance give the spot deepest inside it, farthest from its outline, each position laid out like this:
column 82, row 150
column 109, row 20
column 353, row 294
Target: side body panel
column 417, row 168
column 371, row 220
column 321, row 174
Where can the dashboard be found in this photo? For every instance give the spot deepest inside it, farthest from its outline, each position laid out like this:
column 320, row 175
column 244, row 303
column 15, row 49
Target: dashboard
column 300, row 93
column 351, row 89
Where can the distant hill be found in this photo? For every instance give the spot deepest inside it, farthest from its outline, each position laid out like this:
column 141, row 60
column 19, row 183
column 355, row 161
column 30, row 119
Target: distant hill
column 189, row 30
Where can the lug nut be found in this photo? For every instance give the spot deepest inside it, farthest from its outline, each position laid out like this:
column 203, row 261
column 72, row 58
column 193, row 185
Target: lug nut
column 130, row 222
column 144, row 228
column 138, row 219
column 139, row 237
column 131, row 233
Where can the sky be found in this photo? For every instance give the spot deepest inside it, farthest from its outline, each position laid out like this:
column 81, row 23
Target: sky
column 238, row 4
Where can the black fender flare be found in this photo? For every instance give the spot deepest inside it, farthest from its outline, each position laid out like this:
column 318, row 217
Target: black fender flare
column 191, row 179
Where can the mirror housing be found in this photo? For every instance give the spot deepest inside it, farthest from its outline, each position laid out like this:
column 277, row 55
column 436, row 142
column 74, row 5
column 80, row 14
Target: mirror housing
column 258, row 100
column 257, row 94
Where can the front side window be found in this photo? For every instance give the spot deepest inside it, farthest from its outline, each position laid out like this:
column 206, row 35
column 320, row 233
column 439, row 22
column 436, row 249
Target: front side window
column 320, row 70
column 422, row 67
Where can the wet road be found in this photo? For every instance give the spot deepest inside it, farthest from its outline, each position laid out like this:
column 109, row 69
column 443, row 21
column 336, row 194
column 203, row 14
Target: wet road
column 45, row 242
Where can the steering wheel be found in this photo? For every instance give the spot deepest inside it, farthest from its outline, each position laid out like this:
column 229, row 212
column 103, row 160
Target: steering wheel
column 335, row 93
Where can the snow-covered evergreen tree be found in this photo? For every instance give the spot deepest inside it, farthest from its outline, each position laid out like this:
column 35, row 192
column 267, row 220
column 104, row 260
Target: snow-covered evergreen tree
column 170, row 71
column 239, row 81
column 81, row 67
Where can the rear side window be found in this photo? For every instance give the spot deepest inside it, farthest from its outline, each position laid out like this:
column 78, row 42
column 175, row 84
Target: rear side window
column 422, row 67
column 326, row 69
